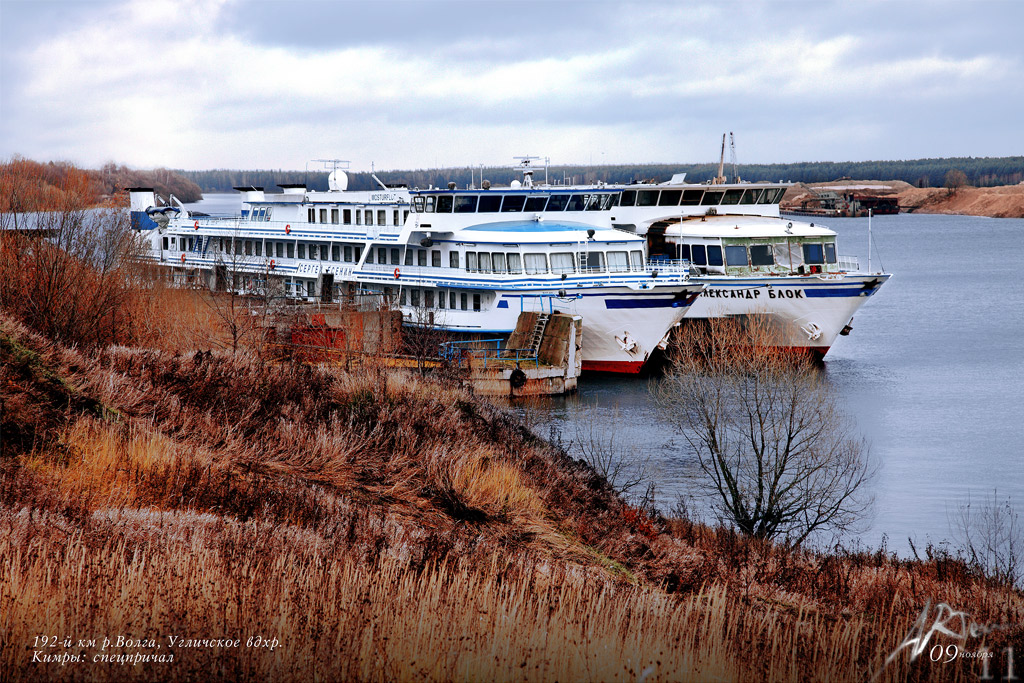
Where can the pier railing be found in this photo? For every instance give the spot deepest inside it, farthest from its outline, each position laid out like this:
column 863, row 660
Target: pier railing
column 492, row 356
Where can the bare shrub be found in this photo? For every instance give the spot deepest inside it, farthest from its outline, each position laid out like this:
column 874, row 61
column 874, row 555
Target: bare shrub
column 991, row 536
column 781, row 459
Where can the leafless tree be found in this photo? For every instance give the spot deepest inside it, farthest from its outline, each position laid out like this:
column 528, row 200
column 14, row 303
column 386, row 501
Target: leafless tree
column 992, row 537
column 599, row 445
column 781, row 460
column 955, row 179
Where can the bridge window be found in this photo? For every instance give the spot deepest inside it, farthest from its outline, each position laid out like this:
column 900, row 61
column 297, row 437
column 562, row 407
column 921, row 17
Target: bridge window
column 684, row 251
column 489, row 203
column 618, row 261
column 536, row 263
column 736, row 255
column 732, row 197
column 814, row 253
column 444, row 203
column 712, row 198
column 311, row 215
column 418, row 203
column 830, row 252
column 558, row 202
column 465, row 203
column 699, row 255
column 670, row 197
column 692, row 197
column 595, row 202
column 628, row 198
column 714, row 255
column 535, row 203
column 647, row 198
column 577, row 202
column 750, row 196
column 512, row 203
column 761, row 255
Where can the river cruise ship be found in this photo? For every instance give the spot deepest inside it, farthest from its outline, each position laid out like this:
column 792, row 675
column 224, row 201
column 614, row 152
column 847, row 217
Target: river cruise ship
column 752, row 260
column 466, row 262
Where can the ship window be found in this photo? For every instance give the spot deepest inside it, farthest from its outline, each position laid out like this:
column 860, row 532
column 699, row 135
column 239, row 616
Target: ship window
column 736, row 255
column 453, row 259
column 396, row 217
column 699, row 255
column 830, row 252
column 166, row 243
column 396, row 255
column 515, row 263
column 692, row 197
column 595, row 202
column 512, row 203
column 417, row 203
column 323, row 252
column 408, row 256
column 536, row 263
column 368, row 216
column 382, row 255
column 577, row 202
column 476, row 302
column 594, row 260
column 369, row 256
column 429, row 206
column 270, row 210
column 405, row 217
column 421, row 257
column 714, row 255
column 761, row 255
column 498, row 262
column 404, row 297
column 535, row 203
column 415, row 297
column 311, row 215
column 238, row 246
column 435, row 258
column 174, row 243
column 464, row 300
column 347, row 216
column 485, row 262
column 248, row 247
column 712, row 198
column 451, row 300
column 670, row 197
column 647, row 198
column 382, row 216
column 750, row 196
column 471, row 262
column 323, row 215
column 561, row 263
column 636, row 258
column 428, row 298
column 489, row 203
column 444, row 203
column 628, row 198
column 259, row 248
column 683, row 252
column 732, row 197
column 334, row 215
column 359, row 253
column 348, row 254
column 359, row 217
column 814, row 253
column 609, row 200
column 465, row 203
column 310, row 288
column 440, row 298
column 335, row 252
column 291, row 250
column 558, row 202
column 772, row 195
column 618, row 261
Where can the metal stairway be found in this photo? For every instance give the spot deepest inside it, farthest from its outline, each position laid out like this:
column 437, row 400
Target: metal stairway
column 538, row 333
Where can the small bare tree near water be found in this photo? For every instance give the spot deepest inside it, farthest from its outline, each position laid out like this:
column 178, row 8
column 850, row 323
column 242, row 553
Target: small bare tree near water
column 781, row 459
column 992, row 537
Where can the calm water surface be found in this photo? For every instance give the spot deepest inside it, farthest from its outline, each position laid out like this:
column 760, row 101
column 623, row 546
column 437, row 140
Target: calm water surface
column 933, row 375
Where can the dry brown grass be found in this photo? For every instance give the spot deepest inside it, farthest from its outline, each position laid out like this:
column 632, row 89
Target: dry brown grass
column 387, row 530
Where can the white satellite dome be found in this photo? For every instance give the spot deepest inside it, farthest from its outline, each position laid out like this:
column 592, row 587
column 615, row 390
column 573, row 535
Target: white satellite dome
column 337, row 181
column 515, row 184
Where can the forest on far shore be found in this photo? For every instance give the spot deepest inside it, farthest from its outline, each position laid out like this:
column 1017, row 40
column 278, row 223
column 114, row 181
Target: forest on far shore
column 980, row 172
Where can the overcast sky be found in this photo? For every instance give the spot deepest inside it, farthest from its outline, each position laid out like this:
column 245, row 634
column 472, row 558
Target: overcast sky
column 273, row 84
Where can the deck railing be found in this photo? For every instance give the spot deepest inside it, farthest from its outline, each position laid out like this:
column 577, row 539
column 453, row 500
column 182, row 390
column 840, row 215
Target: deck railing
column 492, row 356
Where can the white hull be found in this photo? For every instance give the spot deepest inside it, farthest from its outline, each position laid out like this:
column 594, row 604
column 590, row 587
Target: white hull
column 807, row 310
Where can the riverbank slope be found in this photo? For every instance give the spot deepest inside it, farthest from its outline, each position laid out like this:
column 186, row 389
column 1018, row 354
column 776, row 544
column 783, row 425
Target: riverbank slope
column 1006, row 201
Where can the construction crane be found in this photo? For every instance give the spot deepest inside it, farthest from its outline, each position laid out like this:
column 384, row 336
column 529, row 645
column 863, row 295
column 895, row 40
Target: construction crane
column 720, row 178
column 732, row 158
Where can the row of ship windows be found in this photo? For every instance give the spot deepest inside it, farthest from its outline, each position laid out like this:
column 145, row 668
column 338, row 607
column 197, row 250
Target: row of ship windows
column 509, row 203
column 335, row 216
column 435, row 298
column 812, row 253
column 702, row 197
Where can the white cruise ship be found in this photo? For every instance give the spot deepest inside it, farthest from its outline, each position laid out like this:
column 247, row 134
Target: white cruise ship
column 752, row 260
column 464, row 261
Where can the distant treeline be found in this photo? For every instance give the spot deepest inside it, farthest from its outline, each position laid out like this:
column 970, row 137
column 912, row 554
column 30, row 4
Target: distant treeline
column 980, row 172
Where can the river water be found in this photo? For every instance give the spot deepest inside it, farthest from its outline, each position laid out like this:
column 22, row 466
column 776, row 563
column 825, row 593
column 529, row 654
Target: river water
column 932, row 375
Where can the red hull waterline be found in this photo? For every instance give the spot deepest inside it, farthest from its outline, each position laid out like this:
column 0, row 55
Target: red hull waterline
column 622, row 367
